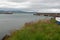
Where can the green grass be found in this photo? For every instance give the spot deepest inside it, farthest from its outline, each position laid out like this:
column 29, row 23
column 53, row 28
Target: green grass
column 41, row 30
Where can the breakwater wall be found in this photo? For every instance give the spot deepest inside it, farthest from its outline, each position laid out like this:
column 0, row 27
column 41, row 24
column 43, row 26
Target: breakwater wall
column 49, row 14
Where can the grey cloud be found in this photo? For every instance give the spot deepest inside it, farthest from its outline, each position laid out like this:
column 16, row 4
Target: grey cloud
column 39, row 4
column 17, row 0
column 44, row 4
column 51, row 1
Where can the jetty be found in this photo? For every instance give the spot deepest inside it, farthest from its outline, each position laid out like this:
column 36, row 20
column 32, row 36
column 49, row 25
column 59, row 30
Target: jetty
column 48, row 14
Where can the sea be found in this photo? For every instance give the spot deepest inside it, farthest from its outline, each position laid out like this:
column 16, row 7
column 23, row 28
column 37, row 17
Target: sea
column 15, row 21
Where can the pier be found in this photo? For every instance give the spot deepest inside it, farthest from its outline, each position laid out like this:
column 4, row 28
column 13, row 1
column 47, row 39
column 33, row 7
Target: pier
column 48, row 14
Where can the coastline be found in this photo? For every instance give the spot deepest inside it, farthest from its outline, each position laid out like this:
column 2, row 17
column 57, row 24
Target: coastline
column 40, row 26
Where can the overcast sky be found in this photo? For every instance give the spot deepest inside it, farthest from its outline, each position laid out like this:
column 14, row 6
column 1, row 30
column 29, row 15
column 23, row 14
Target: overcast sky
column 32, row 5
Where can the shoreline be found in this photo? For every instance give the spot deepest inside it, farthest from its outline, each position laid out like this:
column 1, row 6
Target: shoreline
column 25, row 26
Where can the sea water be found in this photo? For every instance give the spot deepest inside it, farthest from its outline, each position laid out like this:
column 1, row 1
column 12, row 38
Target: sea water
column 9, row 22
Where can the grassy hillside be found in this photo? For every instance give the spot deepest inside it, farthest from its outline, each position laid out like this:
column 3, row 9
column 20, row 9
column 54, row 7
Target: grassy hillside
column 40, row 30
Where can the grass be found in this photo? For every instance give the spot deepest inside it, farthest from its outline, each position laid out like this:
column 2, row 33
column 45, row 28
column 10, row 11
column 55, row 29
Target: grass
column 40, row 30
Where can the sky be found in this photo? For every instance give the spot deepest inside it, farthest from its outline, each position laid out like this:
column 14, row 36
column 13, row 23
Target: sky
column 32, row 5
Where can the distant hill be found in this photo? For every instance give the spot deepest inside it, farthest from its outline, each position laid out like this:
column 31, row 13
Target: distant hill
column 13, row 10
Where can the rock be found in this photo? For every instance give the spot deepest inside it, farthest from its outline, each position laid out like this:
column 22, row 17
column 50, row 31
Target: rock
column 5, row 37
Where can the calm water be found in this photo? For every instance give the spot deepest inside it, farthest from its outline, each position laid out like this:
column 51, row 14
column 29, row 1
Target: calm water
column 9, row 22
